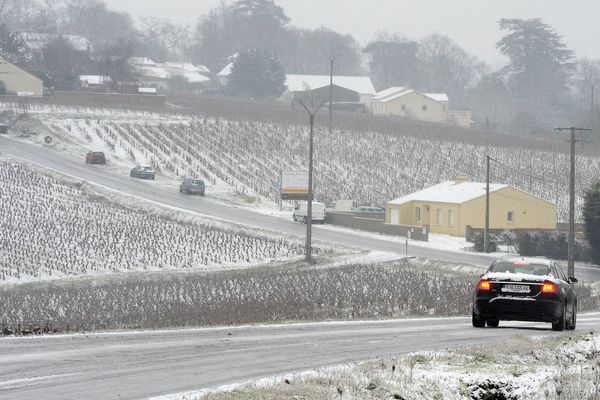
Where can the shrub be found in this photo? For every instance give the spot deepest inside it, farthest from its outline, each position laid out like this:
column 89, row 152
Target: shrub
column 591, row 217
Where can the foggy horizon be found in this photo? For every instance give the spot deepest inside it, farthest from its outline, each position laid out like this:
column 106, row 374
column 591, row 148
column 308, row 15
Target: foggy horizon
column 363, row 20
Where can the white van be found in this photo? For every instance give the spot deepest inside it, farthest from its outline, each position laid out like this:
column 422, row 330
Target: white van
column 318, row 212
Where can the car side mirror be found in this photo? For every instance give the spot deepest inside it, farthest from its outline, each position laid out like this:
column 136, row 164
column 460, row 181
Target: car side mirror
column 573, row 280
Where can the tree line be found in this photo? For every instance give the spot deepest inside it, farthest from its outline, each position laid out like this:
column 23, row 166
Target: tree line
column 542, row 83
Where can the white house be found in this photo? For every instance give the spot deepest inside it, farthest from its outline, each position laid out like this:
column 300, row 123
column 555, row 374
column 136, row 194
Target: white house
column 406, row 102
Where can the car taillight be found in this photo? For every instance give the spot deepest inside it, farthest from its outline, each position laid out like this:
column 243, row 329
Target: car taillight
column 484, row 286
column 549, row 288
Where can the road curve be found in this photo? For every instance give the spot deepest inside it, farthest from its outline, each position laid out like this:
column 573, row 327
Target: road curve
column 134, row 365
column 152, row 191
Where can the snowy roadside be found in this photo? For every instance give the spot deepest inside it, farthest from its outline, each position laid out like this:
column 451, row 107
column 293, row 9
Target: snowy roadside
column 557, row 367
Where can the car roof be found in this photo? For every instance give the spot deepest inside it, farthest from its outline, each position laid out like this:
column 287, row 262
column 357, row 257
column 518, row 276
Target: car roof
column 531, row 260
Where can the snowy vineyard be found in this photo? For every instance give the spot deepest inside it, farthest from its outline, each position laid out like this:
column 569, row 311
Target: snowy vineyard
column 369, row 167
column 51, row 229
column 235, row 297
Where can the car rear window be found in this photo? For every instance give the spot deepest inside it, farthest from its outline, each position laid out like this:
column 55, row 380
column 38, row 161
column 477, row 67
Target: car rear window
column 197, row 182
column 521, row 267
column 98, row 154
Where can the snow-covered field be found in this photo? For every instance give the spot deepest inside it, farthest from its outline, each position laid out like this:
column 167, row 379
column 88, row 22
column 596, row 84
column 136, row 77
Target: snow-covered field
column 52, row 227
column 248, row 156
column 560, row 367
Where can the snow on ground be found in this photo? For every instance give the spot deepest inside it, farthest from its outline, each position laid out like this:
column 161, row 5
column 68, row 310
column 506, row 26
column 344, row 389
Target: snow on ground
column 54, row 227
column 558, row 367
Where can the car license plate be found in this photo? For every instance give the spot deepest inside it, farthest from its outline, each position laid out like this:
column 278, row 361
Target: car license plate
column 516, row 288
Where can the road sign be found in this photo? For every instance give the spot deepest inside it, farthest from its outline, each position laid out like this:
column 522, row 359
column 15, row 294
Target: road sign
column 294, row 185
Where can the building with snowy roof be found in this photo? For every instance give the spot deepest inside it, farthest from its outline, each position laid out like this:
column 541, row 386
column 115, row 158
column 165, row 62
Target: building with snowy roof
column 450, row 206
column 345, row 88
column 19, row 82
column 406, row 102
column 159, row 75
column 36, row 42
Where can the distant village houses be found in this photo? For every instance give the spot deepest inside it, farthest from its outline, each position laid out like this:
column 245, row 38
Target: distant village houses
column 162, row 75
column 36, row 42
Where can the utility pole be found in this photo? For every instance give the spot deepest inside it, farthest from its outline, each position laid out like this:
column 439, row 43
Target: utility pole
column 571, row 245
column 592, row 108
column 331, row 60
column 486, row 232
column 308, row 245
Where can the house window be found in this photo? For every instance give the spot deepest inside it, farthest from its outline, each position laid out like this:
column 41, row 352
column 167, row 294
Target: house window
column 424, row 107
column 403, row 107
column 450, row 217
column 418, row 214
column 438, row 216
column 510, row 217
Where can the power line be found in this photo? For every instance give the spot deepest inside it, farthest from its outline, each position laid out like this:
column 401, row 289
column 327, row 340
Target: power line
column 539, row 178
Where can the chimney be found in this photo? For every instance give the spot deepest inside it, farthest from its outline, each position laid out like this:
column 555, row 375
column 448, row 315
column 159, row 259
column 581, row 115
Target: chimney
column 461, row 179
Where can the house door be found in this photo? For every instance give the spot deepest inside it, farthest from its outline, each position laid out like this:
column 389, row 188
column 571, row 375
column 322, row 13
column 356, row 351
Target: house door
column 395, row 216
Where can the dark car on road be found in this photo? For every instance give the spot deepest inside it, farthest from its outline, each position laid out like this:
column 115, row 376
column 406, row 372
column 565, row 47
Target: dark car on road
column 95, row 157
column 143, row 172
column 192, row 186
column 520, row 289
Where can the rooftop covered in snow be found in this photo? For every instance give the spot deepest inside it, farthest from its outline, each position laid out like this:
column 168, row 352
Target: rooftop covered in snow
column 394, row 93
column 456, row 192
column 302, row 83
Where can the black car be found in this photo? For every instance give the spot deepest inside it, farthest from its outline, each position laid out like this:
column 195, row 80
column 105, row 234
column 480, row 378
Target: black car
column 192, row 186
column 519, row 289
column 142, row 172
column 95, row 157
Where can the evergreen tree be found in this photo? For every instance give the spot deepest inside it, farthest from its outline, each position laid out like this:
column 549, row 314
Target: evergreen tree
column 539, row 66
column 256, row 73
column 591, row 217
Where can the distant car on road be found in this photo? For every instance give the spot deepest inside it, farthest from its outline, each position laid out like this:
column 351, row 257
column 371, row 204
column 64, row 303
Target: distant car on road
column 192, row 186
column 143, row 172
column 521, row 289
column 95, row 157
column 368, row 209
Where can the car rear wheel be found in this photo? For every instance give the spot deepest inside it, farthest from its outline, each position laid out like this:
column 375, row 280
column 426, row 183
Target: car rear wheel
column 560, row 324
column 478, row 322
column 493, row 323
column 573, row 323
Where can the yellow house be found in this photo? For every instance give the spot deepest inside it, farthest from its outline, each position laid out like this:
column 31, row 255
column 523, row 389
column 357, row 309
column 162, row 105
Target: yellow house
column 408, row 103
column 450, row 206
column 20, row 82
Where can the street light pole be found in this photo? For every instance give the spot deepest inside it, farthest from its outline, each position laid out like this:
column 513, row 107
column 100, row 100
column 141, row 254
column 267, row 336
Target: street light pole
column 308, row 244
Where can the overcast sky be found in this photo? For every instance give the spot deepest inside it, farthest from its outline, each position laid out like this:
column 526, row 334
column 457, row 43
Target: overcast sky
column 471, row 23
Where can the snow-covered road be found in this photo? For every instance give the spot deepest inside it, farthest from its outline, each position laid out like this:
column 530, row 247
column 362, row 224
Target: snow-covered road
column 164, row 195
column 134, row 365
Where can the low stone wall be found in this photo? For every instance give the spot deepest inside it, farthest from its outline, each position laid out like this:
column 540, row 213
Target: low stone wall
column 94, row 99
column 373, row 222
